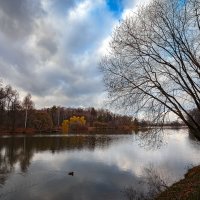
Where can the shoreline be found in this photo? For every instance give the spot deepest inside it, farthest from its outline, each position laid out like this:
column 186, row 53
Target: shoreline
column 90, row 130
column 187, row 188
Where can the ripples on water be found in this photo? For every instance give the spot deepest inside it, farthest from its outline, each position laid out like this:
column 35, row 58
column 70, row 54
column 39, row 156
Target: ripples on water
column 37, row 167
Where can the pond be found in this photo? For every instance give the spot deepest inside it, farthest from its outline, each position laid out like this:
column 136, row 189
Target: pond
column 38, row 167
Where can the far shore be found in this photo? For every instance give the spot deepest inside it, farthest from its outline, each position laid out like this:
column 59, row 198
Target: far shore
column 90, row 130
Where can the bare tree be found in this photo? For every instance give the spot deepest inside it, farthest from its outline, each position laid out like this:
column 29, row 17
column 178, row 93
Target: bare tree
column 14, row 108
column 27, row 105
column 154, row 61
column 10, row 105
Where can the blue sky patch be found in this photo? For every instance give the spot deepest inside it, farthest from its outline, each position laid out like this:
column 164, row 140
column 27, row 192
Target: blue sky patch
column 115, row 7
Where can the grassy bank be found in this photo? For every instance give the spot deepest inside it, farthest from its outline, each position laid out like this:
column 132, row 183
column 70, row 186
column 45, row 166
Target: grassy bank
column 186, row 189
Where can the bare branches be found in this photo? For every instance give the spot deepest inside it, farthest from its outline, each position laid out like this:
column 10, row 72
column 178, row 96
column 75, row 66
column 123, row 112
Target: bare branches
column 154, row 63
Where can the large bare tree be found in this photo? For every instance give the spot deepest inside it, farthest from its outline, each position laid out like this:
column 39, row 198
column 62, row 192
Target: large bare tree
column 154, row 61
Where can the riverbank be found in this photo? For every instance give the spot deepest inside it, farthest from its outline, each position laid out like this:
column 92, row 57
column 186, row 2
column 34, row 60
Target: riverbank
column 186, row 189
column 58, row 130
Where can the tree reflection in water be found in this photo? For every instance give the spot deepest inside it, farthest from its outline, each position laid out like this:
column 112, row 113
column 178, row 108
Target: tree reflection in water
column 150, row 139
column 155, row 182
column 103, row 165
column 20, row 150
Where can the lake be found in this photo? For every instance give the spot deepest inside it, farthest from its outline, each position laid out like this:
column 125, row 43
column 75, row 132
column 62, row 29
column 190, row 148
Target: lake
column 104, row 166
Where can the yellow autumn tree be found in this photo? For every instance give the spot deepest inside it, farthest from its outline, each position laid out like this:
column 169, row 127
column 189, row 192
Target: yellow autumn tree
column 65, row 126
column 73, row 122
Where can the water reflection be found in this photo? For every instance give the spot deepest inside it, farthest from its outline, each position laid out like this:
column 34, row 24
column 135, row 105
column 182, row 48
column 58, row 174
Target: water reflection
column 38, row 167
column 151, row 185
column 151, row 139
column 22, row 149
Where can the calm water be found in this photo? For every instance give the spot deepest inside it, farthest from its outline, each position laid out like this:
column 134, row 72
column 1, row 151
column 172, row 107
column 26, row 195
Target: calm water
column 37, row 167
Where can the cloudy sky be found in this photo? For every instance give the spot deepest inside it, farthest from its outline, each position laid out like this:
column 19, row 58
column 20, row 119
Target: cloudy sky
column 52, row 48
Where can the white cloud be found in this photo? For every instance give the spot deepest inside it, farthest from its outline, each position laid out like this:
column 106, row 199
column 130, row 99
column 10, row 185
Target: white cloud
column 132, row 6
column 54, row 48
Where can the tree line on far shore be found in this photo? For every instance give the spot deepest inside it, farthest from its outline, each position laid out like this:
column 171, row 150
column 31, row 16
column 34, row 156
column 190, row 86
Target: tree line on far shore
column 21, row 116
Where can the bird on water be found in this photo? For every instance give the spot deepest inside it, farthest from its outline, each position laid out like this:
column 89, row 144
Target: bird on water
column 71, row 173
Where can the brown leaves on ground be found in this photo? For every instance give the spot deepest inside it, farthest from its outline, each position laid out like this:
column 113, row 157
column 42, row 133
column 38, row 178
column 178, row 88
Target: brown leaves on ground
column 186, row 189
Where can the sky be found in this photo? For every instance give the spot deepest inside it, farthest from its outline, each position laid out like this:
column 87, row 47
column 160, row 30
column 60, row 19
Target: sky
column 52, row 48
